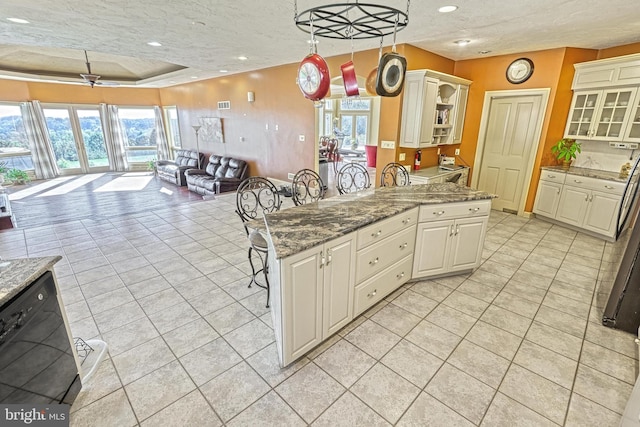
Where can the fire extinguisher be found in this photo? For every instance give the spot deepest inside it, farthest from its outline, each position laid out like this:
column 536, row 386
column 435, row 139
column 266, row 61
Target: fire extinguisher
column 416, row 161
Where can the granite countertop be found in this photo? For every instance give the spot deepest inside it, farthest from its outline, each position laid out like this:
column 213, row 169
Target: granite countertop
column 433, row 171
column 295, row 229
column 16, row 274
column 591, row 173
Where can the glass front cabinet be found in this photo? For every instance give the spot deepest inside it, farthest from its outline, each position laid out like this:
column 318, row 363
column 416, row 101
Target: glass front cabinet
column 603, row 114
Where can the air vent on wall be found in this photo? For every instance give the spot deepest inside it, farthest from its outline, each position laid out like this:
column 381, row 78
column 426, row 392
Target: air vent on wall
column 224, row 105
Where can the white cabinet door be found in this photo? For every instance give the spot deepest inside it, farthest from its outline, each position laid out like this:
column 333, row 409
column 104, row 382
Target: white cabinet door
column 573, row 205
column 428, row 111
column 547, row 198
column 582, row 113
column 338, row 284
column 302, row 303
column 613, row 115
column 432, row 247
column 411, row 110
column 467, row 242
column 460, row 110
column 602, row 213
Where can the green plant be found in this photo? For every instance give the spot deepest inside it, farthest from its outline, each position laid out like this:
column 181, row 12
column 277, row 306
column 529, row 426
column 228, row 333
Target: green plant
column 566, row 149
column 151, row 165
column 17, row 176
column 3, row 167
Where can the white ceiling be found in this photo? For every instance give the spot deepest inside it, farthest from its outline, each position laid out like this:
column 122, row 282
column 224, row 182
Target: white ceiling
column 201, row 37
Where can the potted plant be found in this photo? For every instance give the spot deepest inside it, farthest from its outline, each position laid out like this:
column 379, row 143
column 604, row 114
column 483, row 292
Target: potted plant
column 566, row 150
column 152, row 166
column 17, row 176
column 3, row 170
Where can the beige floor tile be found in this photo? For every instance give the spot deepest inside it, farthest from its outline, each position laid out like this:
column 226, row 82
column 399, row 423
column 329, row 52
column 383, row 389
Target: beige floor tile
column 119, row 316
column 609, row 362
column 586, row 413
column 396, row 319
column 478, row 290
column 112, row 410
column 103, row 382
column 415, row 303
column 615, row 340
column 412, row 363
column 234, row 390
column 527, row 292
column 461, row 392
column 160, row 301
column 333, row 360
column 434, row 339
column 479, row 363
column 562, row 321
column 469, row 305
column 494, row 339
column 266, row 363
column 506, row 412
column 426, row 411
column 515, row 304
column 310, row 391
column 566, row 305
column 269, row 410
column 190, row 410
column 195, row 287
column 188, row 337
column 130, row 335
column 109, row 300
column 229, row 318
column 432, row 290
column 553, row 339
column 506, row 320
column 547, row 363
column 451, row 319
column 173, row 317
column 210, row 360
column 386, row 391
column 158, row 389
column 373, row 339
column 537, row 393
column 349, row 411
column 602, row 389
column 250, row 338
column 143, row 359
column 148, row 287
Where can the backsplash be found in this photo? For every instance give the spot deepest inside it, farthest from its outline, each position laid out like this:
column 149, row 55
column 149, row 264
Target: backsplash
column 598, row 155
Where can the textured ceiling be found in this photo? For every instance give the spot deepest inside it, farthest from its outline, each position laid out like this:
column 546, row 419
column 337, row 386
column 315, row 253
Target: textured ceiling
column 201, row 37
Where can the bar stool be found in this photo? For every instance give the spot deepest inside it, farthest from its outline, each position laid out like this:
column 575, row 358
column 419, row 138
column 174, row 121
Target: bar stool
column 352, row 177
column 307, row 187
column 255, row 197
column 394, row 174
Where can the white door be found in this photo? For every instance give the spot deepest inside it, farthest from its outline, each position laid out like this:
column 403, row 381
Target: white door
column 339, row 281
column 511, row 133
column 466, row 246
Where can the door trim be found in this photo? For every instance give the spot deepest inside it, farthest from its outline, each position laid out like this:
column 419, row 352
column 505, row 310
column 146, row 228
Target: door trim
column 484, row 122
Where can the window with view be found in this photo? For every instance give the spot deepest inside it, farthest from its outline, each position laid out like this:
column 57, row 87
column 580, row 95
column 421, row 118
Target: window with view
column 14, row 145
column 140, row 127
column 173, row 128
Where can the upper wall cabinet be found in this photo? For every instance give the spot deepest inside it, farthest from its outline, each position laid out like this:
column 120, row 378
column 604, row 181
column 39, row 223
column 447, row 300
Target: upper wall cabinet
column 433, row 109
column 610, row 72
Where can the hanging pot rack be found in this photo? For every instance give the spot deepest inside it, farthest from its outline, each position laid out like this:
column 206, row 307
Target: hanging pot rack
column 353, row 21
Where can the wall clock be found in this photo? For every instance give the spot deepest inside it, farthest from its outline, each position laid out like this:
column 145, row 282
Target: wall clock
column 313, row 77
column 519, row 70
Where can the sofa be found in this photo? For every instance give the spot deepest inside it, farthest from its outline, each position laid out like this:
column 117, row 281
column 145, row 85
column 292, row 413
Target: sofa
column 222, row 174
column 173, row 170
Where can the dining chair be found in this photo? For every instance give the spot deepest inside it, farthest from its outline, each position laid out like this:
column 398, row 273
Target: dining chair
column 307, row 187
column 394, row 174
column 255, row 197
column 352, row 177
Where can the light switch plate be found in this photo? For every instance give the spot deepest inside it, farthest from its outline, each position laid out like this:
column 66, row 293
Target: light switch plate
column 402, row 156
column 457, row 152
column 388, row 144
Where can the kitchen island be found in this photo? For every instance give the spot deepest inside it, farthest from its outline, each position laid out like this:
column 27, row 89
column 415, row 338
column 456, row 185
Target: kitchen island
column 330, row 261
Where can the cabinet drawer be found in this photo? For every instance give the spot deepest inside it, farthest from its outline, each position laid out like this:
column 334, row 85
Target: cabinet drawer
column 454, row 210
column 373, row 290
column 380, row 230
column 603, row 185
column 377, row 257
column 553, row 176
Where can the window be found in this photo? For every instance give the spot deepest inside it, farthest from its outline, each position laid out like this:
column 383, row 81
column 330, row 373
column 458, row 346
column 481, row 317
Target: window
column 173, row 128
column 355, row 118
column 140, row 127
column 15, row 152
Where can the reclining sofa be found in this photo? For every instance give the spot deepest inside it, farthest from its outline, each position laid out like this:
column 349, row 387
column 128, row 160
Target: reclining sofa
column 173, row 170
column 222, row 174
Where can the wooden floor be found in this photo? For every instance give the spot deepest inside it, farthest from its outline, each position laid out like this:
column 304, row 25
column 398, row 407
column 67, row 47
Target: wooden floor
column 92, row 196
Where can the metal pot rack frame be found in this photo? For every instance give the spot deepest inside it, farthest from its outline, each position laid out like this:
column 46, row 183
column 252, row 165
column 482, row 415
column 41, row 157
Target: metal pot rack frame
column 351, row 21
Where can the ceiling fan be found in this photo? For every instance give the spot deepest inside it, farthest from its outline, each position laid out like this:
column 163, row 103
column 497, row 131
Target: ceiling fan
column 93, row 79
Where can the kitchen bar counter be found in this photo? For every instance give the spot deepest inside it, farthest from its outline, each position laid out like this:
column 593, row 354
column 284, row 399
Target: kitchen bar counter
column 16, row 274
column 303, row 227
column 591, row 173
column 435, row 171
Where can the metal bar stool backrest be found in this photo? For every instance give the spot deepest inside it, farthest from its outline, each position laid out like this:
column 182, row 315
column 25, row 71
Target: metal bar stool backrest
column 352, row 177
column 454, row 178
column 255, row 197
column 307, row 187
column 394, row 174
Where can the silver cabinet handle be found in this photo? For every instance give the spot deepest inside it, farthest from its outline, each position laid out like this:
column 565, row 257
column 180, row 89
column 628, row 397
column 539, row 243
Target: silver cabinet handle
column 378, row 233
column 406, row 221
column 322, row 259
column 451, row 232
column 591, row 197
column 400, row 276
column 374, row 261
column 551, row 176
column 474, row 209
column 608, row 187
column 372, row 294
column 328, row 256
column 404, row 245
column 577, row 181
column 586, row 198
column 457, row 230
column 557, row 191
column 438, row 213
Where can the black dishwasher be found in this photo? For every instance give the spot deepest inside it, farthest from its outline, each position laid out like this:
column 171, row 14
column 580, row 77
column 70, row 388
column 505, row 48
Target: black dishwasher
column 37, row 364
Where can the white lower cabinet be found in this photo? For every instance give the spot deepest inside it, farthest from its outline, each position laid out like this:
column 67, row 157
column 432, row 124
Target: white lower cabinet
column 448, row 246
column 547, row 198
column 573, row 205
column 317, row 295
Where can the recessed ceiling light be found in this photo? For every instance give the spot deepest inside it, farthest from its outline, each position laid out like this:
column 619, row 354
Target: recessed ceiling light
column 447, row 9
column 155, row 44
column 462, row 42
column 242, row 58
column 224, row 71
column 483, row 52
column 18, row 20
column 200, row 23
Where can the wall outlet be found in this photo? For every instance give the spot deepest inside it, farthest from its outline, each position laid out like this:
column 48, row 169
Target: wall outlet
column 301, row 138
column 438, row 150
column 291, row 175
column 242, row 139
column 457, row 153
column 402, row 157
column 388, row 144
column 276, row 127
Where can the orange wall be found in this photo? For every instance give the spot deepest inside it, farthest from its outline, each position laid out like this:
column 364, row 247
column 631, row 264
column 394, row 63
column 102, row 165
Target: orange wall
column 626, row 49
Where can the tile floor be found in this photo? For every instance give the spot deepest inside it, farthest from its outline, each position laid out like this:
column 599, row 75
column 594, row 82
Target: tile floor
column 518, row 342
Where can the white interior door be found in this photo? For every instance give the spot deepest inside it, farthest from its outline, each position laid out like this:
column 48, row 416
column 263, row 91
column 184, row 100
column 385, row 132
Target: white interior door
column 512, row 130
